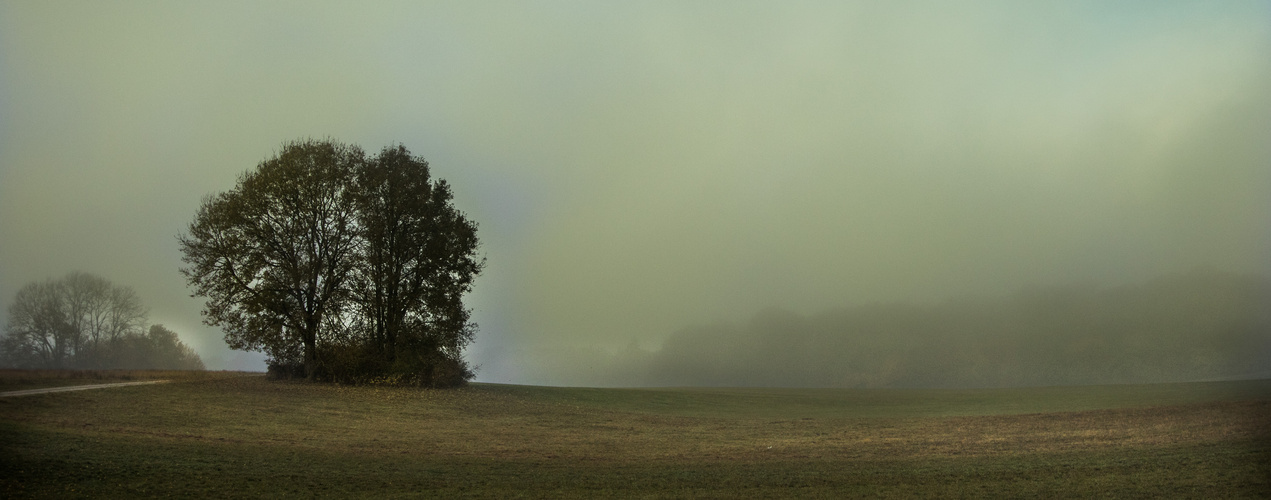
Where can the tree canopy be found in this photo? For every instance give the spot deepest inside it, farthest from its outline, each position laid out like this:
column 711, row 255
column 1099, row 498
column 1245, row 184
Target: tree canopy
column 339, row 265
column 83, row 321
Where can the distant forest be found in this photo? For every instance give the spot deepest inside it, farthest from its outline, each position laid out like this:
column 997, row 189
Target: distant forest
column 1202, row 325
column 83, row 321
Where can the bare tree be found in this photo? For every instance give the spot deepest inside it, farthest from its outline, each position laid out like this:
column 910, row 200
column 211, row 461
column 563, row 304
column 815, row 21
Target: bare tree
column 100, row 313
column 84, row 321
column 40, row 333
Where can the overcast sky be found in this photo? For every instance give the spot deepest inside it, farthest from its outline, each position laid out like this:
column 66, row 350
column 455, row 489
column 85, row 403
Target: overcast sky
column 639, row 167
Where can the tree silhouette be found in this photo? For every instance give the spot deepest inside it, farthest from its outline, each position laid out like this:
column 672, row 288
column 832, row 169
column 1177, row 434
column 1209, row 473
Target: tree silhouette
column 418, row 259
column 273, row 255
column 338, row 265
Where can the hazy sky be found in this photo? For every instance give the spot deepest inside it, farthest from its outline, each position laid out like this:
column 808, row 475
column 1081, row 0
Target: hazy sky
column 638, row 167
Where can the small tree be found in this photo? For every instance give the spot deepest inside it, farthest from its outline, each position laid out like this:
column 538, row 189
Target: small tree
column 158, row 349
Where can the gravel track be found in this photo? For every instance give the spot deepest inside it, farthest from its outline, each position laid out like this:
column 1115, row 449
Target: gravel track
column 47, row 390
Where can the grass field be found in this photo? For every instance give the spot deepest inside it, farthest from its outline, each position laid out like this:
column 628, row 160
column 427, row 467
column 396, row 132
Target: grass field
column 249, row 437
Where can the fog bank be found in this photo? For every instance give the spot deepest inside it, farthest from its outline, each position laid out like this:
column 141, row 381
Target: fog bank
column 1202, row 325
column 636, row 167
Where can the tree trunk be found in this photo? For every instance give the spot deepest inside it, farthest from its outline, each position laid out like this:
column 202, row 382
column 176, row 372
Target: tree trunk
column 311, row 348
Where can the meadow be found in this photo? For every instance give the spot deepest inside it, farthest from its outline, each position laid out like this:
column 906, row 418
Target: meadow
column 220, row 435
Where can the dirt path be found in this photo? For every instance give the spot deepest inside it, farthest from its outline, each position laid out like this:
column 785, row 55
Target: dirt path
column 29, row 392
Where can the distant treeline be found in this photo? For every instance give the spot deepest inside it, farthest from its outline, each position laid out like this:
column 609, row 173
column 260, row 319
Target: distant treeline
column 83, row 321
column 1196, row 326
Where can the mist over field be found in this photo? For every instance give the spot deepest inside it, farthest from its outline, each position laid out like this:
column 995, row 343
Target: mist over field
column 1201, row 325
column 857, row 194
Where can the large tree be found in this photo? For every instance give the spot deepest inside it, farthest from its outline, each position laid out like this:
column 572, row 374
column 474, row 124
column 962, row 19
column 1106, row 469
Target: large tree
column 344, row 264
column 418, row 260
column 274, row 254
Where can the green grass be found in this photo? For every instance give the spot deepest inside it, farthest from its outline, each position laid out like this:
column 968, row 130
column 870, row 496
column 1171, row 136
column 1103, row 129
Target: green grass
column 248, row 437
